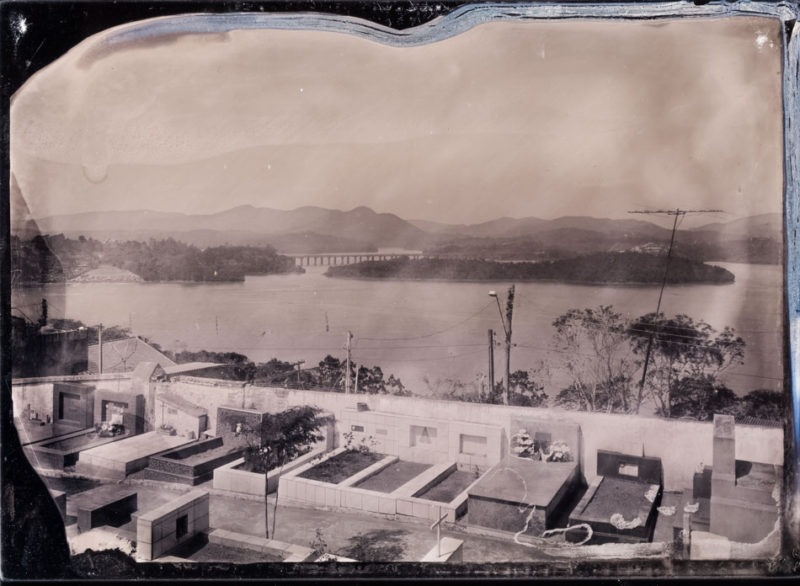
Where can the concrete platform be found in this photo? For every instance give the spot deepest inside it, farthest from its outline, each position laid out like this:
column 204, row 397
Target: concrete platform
column 118, row 459
column 104, row 505
column 503, row 498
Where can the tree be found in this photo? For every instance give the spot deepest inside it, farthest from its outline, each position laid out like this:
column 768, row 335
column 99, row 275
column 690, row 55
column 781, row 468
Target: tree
column 686, row 357
column 763, row 404
column 700, row 398
column 526, row 392
column 280, row 438
column 596, row 354
column 330, row 374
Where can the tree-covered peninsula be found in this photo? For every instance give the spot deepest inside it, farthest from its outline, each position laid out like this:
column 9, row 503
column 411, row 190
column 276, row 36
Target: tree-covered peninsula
column 630, row 268
column 47, row 259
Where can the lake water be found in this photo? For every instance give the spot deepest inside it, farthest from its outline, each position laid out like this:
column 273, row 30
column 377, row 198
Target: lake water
column 424, row 332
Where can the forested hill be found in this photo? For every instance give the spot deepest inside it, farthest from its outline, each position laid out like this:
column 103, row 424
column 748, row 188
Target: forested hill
column 599, row 268
column 56, row 258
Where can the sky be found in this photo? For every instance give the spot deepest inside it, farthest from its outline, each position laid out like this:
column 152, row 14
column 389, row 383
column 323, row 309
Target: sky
column 516, row 119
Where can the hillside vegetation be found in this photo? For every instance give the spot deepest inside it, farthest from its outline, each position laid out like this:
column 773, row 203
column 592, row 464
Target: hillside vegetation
column 600, row 268
column 57, row 258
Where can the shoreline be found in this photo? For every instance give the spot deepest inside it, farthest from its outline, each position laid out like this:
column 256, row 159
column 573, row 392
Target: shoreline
column 625, row 284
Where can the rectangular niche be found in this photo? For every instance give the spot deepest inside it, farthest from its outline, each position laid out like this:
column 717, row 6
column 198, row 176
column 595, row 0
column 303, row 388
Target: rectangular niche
column 472, row 445
column 422, row 435
column 181, row 526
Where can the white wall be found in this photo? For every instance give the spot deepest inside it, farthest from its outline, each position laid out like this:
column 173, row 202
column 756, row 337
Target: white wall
column 681, row 445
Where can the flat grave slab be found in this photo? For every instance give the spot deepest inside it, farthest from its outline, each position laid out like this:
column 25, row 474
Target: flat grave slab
column 518, row 480
column 128, row 455
column 503, row 498
column 105, row 505
column 624, row 500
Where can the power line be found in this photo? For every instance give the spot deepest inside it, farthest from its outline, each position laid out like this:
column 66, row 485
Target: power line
column 430, row 335
column 677, row 213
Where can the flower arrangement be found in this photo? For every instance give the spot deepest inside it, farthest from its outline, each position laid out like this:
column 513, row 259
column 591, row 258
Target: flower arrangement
column 522, row 444
column 559, row 452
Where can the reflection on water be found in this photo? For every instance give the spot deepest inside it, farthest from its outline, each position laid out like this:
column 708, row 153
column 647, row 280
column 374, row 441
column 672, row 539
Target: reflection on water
column 421, row 331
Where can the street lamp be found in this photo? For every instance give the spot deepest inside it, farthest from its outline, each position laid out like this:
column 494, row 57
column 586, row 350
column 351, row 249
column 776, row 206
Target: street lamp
column 507, row 331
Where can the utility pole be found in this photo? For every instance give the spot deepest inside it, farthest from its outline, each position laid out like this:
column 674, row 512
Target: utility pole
column 491, row 361
column 100, row 345
column 349, row 338
column 298, row 364
column 507, row 331
column 509, row 314
column 677, row 213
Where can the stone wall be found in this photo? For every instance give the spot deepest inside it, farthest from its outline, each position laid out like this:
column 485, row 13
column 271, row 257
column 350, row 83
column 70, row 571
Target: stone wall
column 681, row 445
column 424, row 439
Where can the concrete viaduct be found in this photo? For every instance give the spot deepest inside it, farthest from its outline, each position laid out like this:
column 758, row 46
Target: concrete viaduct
column 343, row 258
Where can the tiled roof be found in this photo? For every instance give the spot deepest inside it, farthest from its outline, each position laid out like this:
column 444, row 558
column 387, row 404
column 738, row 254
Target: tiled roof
column 124, row 355
column 747, row 420
column 190, row 367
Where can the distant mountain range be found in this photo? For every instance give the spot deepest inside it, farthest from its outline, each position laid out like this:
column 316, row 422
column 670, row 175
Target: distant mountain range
column 314, row 229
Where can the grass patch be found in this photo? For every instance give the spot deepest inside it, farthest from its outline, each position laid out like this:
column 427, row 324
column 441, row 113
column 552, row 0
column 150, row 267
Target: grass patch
column 340, row 467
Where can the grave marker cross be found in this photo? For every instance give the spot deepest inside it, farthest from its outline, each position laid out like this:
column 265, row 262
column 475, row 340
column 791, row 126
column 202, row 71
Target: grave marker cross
column 438, row 526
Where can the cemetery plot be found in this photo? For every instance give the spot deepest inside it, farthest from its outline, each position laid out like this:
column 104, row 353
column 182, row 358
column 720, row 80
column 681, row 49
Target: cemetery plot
column 621, row 505
column 393, row 476
column 448, row 487
column 618, row 510
column 65, row 451
column 237, row 476
column 192, row 464
column 341, row 466
column 520, row 492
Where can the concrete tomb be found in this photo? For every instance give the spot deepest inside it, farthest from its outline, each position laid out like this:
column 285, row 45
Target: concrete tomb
column 621, row 504
column 735, row 499
column 125, row 456
column 519, row 491
column 162, row 529
column 73, row 404
column 192, row 463
column 235, row 424
column 109, row 504
column 63, row 451
column 115, row 408
column 177, row 416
